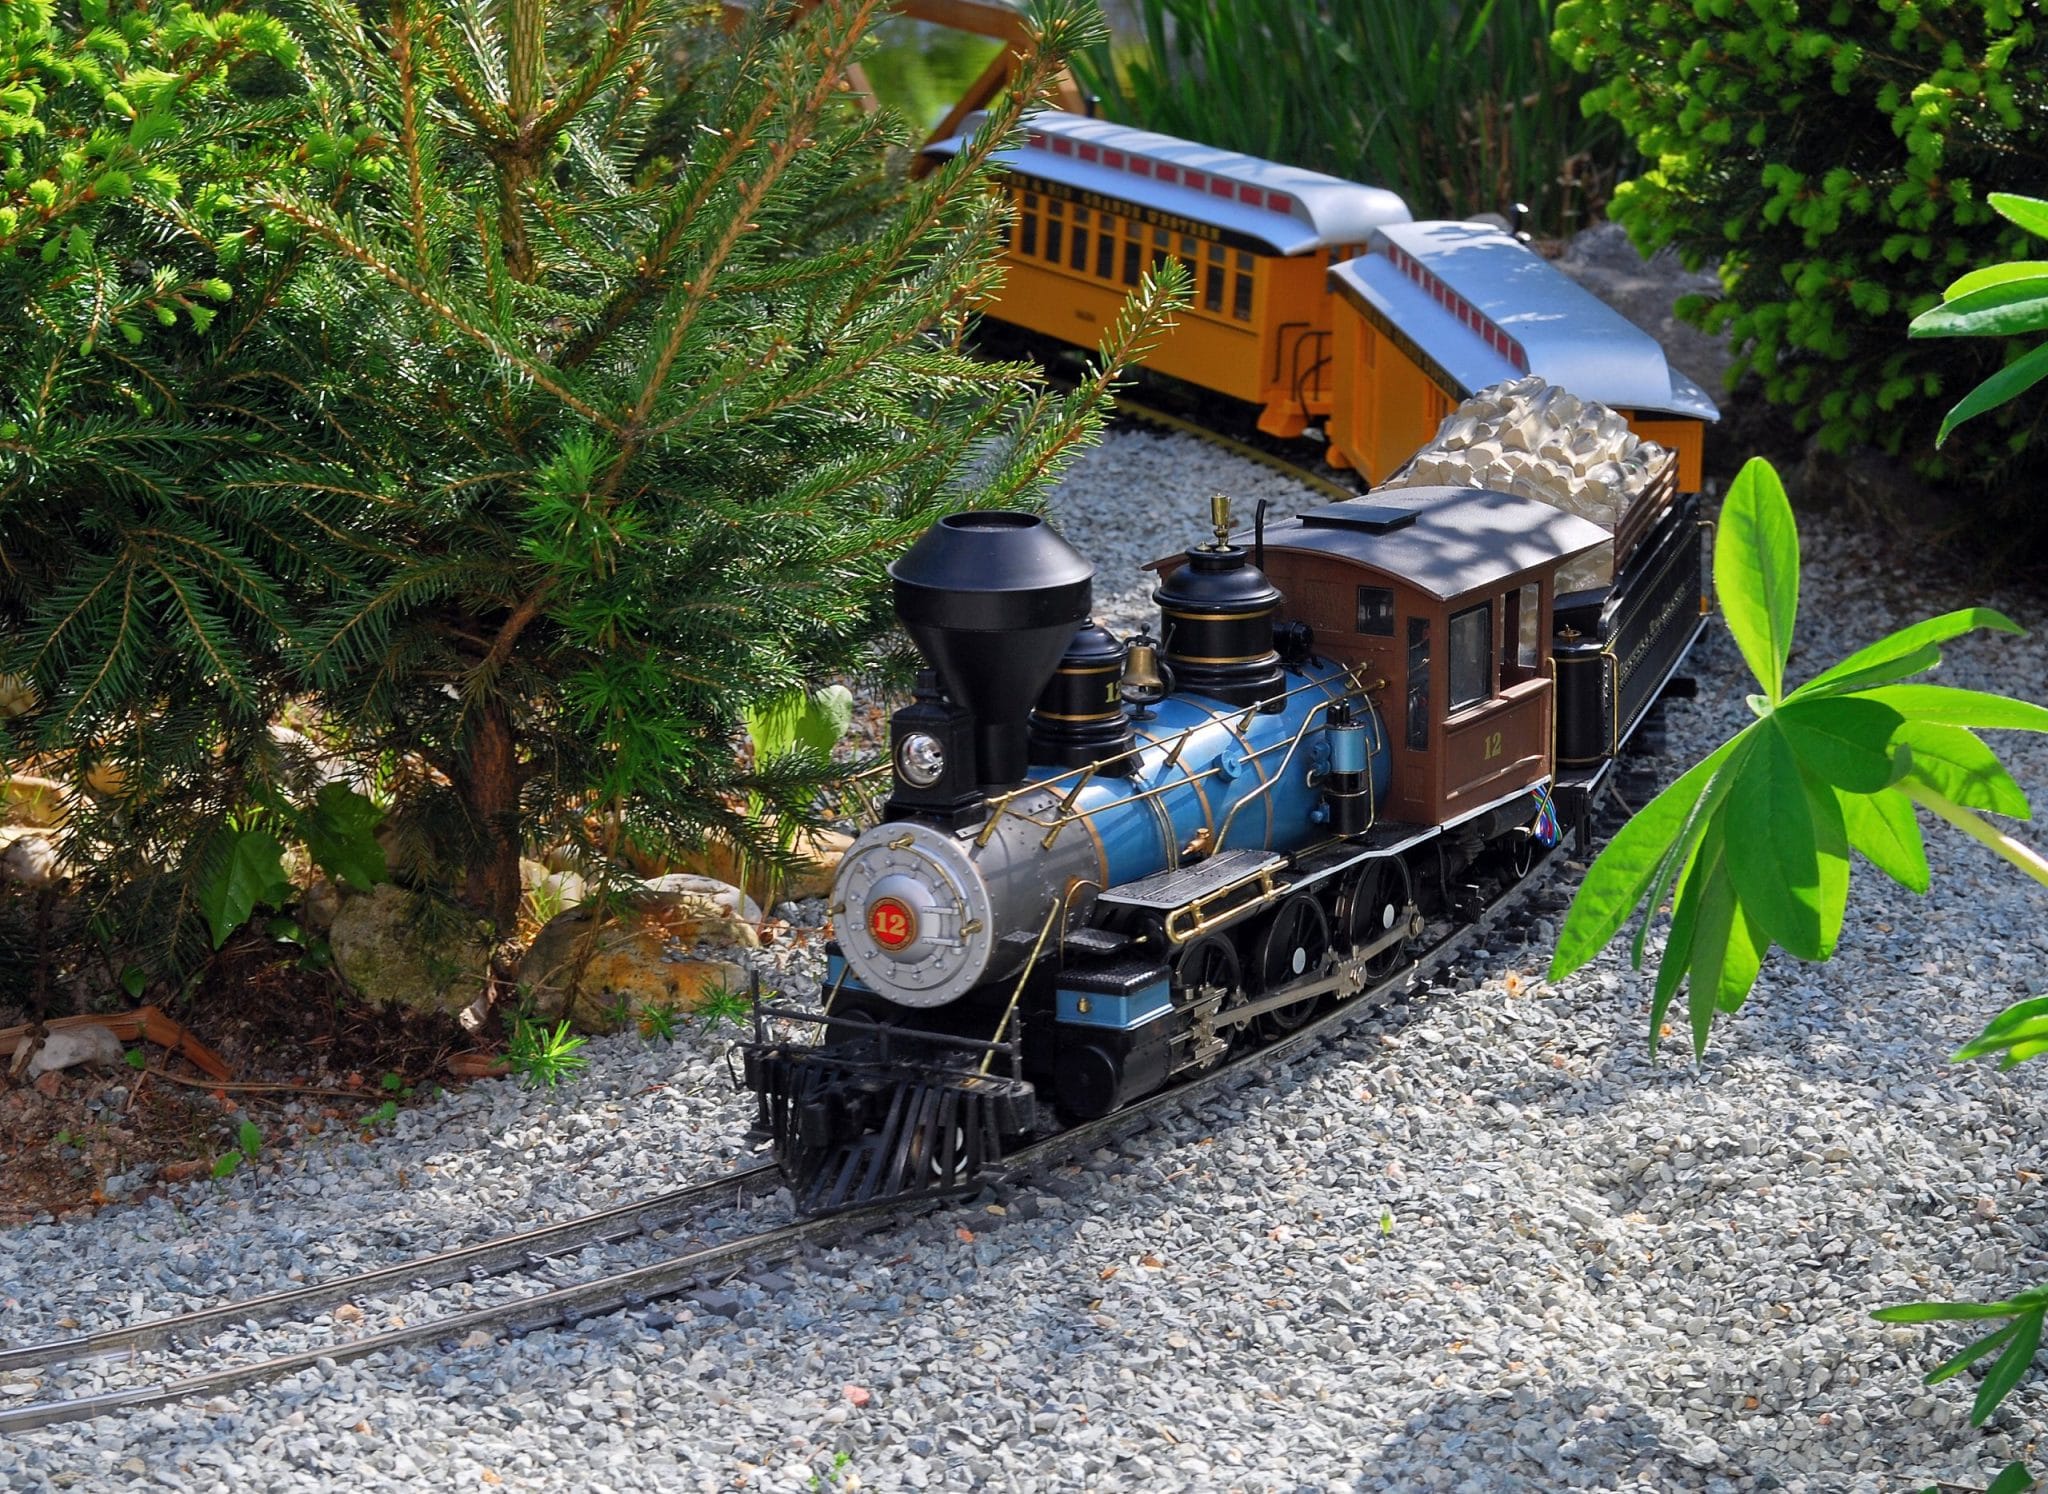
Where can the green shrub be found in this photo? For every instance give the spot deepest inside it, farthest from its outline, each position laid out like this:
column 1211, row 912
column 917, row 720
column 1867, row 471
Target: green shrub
column 143, row 614
column 630, row 443
column 558, row 423
column 1458, row 107
column 1837, row 159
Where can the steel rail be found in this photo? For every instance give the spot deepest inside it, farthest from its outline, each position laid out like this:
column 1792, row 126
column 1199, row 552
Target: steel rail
column 1146, row 414
column 486, row 1258
column 633, row 1289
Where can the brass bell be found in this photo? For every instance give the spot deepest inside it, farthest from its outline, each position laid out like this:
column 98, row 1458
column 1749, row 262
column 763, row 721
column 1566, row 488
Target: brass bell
column 1144, row 683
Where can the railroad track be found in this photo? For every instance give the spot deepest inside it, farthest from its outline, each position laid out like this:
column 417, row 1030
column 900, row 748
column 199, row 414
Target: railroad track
column 636, row 1287
column 1143, row 414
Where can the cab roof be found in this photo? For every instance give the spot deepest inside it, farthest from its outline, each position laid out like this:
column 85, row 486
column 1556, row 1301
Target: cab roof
column 1447, row 542
column 1286, row 208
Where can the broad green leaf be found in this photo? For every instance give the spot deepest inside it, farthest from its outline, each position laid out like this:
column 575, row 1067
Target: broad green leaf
column 1883, row 672
column 2019, row 269
column 1842, row 740
column 2018, row 1033
column 1714, row 941
column 801, row 718
column 1756, row 572
column 2005, row 1374
column 340, row 832
column 2012, row 309
column 2030, row 213
column 1957, row 707
column 1831, row 842
column 1684, row 847
column 1727, row 949
column 1910, row 643
column 1742, row 961
column 1781, row 834
column 2023, row 1019
column 1678, row 944
column 2013, row 1478
column 1622, row 873
column 1884, row 828
column 2011, row 381
column 1962, row 767
column 251, row 871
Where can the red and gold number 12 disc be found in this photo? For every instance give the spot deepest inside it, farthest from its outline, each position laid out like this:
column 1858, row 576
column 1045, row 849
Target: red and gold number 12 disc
column 891, row 923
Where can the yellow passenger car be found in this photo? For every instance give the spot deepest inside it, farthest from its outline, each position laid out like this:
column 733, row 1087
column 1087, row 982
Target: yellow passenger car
column 1434, row 312
column 1098, row 203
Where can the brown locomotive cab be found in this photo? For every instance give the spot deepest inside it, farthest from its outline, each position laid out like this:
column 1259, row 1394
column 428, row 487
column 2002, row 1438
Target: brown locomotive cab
column 1443, row 596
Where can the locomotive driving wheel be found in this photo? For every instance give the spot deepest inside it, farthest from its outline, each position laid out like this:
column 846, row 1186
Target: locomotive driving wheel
column 1292, row 946
column 1374, row 905
column 1208, row 979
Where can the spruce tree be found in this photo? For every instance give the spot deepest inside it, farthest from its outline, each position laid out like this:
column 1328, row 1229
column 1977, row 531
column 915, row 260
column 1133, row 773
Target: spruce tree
column 629, row 436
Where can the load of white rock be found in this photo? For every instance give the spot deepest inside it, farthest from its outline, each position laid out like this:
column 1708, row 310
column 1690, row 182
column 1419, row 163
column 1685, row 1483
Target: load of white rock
column 1537, row 440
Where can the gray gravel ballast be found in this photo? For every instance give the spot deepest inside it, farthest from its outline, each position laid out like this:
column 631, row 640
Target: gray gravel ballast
column 1481, row 1242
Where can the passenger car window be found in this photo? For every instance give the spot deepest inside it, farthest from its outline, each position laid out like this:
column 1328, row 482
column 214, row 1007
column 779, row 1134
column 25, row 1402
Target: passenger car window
column 1471, row 656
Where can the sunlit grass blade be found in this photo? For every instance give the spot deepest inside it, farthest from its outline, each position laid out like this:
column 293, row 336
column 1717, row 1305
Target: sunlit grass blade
column 1948, row 1369
column 2030, row 213
column 2005, row 1372
column 1947, row 1312
column 2021, row 1026
column 2011, row 381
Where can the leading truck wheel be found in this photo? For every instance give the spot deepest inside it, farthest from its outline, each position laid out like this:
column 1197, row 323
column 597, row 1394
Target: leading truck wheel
column 1292, row 948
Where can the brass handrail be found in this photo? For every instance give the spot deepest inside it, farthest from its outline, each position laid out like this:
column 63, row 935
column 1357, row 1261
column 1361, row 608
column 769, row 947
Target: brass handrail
column 1051, row 917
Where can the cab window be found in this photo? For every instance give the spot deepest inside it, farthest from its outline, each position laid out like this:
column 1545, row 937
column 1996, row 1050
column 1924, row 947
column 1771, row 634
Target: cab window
column 1418, row 683
column 1376, row 611
column 1471, row 661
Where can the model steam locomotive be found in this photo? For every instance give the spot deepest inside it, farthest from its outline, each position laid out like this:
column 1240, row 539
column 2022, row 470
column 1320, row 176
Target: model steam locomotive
column 1108, row 863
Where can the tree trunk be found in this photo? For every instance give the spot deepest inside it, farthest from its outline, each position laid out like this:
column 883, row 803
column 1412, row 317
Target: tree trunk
column 491, row 790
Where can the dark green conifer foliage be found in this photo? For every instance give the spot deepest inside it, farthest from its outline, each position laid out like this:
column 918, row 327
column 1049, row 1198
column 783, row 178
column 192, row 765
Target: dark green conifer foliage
column 146, row 617
column 629, row 441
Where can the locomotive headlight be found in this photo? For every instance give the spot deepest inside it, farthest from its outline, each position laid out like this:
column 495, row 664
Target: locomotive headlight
column 920, row 760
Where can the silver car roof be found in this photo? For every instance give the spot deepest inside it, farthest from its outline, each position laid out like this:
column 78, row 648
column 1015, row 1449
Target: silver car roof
column 1483, row 307
column 1287, row 208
